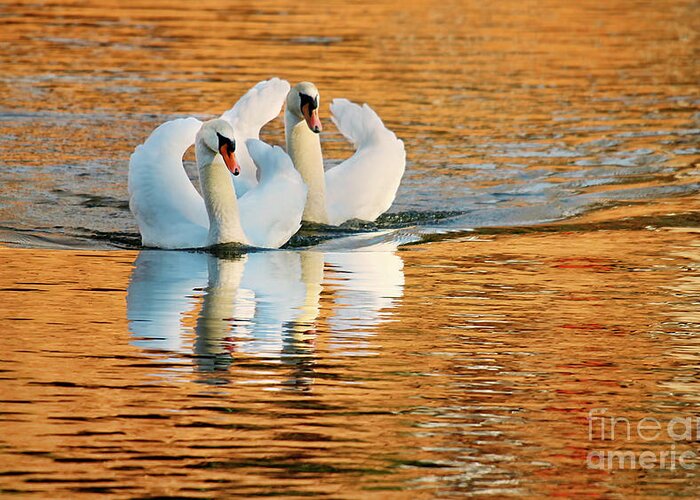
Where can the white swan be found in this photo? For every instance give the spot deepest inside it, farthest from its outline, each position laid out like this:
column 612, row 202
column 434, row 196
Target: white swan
column 362, row 187
column 171, row 213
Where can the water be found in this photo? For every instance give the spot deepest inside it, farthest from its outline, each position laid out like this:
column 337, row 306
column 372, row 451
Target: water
column 540, row 261
column 508, row 117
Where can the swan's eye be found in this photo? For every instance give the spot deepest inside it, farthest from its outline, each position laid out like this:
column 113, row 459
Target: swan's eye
column 226, row 141
column 306, row 99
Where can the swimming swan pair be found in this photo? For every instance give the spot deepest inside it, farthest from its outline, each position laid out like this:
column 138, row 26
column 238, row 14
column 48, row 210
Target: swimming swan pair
column 271, row 191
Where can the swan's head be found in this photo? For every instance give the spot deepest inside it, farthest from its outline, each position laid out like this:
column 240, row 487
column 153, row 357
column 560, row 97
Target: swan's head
column 303, row 101
column 217, row 135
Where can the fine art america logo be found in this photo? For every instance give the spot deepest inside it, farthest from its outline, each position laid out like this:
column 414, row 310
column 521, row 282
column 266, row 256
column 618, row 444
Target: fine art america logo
column 606, row 428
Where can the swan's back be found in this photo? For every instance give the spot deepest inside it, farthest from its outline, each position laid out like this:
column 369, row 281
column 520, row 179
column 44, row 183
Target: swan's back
column 169, row 211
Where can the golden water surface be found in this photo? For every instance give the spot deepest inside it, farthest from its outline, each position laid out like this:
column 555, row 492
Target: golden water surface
column 476, row 377
column 508, row 360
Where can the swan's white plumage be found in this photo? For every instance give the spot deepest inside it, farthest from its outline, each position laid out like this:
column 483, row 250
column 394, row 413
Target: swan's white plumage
column 271, row 212
column 364, row 186
column 172, row 214
column 169, row 210
column 258, row 106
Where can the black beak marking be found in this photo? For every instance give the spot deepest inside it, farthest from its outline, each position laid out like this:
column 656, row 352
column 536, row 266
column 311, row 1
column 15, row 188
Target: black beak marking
column 225, row 140
column 307, row 99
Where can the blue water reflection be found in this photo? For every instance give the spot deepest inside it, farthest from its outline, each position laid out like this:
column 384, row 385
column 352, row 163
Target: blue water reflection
column 270, row 305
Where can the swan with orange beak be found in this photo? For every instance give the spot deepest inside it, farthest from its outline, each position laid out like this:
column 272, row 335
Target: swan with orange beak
column 363, row 186
column 171, row 213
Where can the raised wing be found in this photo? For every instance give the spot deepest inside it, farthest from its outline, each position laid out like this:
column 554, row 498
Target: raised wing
column 271, row 212
column 257, row 107
column 169, row 210
column 364, row 186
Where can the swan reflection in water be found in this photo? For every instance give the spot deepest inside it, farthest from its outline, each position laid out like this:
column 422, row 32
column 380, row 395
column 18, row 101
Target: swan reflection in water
column 264, row 305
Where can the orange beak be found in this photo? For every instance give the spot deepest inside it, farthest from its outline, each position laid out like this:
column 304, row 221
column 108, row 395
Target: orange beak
column 230, row 159
column 312, row 119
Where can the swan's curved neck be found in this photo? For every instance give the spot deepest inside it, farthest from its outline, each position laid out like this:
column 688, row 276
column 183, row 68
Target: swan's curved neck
column 304, row 147
column 219, row 198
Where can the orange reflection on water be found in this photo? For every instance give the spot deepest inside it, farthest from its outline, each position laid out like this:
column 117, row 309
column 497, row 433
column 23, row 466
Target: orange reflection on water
column 479, row 376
